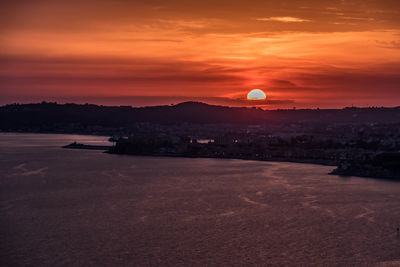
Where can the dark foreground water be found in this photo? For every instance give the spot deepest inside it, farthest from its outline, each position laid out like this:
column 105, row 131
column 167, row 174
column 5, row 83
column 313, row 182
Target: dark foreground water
column 87, row 208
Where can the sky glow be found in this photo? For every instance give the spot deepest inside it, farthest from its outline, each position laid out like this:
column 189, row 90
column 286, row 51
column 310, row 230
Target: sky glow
column 302, row 53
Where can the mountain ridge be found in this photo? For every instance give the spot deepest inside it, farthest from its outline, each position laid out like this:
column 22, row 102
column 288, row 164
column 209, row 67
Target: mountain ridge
column 51, row 114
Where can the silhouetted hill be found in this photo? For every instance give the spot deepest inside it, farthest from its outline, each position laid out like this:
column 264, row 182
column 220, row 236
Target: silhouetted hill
column 52, row 115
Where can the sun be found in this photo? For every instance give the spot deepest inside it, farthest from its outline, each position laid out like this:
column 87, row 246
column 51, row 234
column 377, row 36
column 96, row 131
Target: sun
column 256, row 94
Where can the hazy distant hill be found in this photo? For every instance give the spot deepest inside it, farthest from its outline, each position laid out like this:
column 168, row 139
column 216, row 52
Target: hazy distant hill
column 52, row 115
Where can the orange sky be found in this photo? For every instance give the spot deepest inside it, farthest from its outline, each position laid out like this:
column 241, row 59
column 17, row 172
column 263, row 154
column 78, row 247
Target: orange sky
column 302, row 53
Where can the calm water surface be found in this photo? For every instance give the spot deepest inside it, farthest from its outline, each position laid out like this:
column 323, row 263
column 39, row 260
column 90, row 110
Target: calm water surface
column 88, row 208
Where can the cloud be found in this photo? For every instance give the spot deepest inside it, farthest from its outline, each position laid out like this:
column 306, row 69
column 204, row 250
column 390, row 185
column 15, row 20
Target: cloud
column 358, row 18
column 284, row 19
column 279, row 82
column 344, row 23
column 289, row 65
column 115, row 69
column 332, row 8
column 391, row 44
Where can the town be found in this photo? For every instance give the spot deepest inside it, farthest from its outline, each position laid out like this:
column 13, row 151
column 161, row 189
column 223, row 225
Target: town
column 352, row 147
column 360, row 141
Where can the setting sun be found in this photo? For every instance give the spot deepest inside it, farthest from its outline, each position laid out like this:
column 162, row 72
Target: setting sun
column 256, row 94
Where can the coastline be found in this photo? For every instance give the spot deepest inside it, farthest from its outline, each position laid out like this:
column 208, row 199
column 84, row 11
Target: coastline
column 317, row 162
column 76, row 145
column 336, row 171
column 106, row 149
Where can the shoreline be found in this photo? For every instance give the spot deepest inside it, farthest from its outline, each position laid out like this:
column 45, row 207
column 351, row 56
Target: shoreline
column 323, row 163
column 76, row 145
column 174, row 155
column 279, row 160
column 106, row 149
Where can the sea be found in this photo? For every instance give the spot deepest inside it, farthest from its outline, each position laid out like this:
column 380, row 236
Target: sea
column 75, row 207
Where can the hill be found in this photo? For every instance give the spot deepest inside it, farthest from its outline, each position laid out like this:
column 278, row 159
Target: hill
column 50, row 116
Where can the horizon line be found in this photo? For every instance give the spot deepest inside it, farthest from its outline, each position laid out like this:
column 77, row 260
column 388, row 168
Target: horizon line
column 259, row 107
